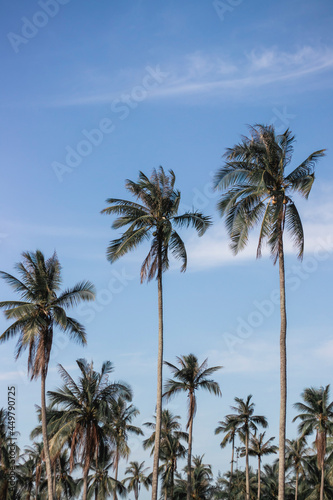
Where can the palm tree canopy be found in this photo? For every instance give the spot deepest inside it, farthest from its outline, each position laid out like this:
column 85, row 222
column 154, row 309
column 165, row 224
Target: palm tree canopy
column 170, row 428
column 246, row 420
column 258, row 447
column 257, row 188
column 41, row 308
column 229, row 428
column 84, row 410
column 155, row 217
column 190, row 376
column 316, row 415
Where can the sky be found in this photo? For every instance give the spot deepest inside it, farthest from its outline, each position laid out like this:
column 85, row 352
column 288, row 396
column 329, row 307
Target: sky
column 94, row 92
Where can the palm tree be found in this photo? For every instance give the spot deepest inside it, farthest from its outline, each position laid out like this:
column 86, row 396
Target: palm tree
column 36, row 315
column 259, row 448
column 100, row 483
column 229, row 428
column 189, row 377
column 155, row 217
column 171, row 448
column 316, row 416
column 246, row 422
column 256, row 187
column 84, row 413
column 296, row 454
column 120, row 427
column 202, row 487
column 136, row 477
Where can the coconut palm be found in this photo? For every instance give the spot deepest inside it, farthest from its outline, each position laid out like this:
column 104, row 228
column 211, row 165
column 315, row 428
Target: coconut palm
column 316, row 415
column 35, row 317
column 100, row 483
column 137, row 477
column 189, row 376
column 296, row 456
column 171, row 448
column 120, row 427
column 201, row 476
column 246, row 423
column 83, row 415
column 259, row 448
column 229, row 428
column 257, row 188
column 155, row 217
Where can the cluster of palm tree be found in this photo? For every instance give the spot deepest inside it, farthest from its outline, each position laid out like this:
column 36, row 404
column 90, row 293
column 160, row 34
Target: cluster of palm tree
column 255, row 189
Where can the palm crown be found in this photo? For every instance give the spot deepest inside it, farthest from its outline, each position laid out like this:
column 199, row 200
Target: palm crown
column 41, row 308
column 154, row 217
column 257, row 188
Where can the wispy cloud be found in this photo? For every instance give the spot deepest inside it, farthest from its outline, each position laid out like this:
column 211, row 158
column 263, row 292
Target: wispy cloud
column 204, row 74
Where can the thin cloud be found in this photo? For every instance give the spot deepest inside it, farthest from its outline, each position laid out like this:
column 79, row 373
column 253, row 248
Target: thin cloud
column 201, row 74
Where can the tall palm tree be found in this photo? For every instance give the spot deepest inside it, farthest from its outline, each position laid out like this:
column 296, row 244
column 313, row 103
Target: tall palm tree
column 171, row 447
column 189, row 376
column 246, row 423
column 155, row 217
column 120, row 427
column 84, row 411
column 136, row 476
column 296, row 455
column 35, row 317
column 202, row 487
column 316, row 415
column 259, row 448
column 257, row 188
column 229, row 428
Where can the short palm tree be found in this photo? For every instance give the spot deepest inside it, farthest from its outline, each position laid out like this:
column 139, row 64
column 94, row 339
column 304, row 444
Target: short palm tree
column 189, row 376
column 100, row 484
column 120, row 427
column 83, row 414
column 229, row 428
column 35, row 317
column 259, row 448
column 257, row 188
column 136, row 476
column 296, row 456
column 171, row 447
column 316, row 415
column 154, row 217
column 246, row 423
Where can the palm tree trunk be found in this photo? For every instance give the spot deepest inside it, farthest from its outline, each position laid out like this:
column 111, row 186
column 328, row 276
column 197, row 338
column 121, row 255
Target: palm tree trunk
column 232, row 458
column 247, row 466
column 45, row 437
column 116, row 473
column 322, row 481
column 159, row 378
column 296, row 485
column 259, row 485
column 85, row 483
column 189, row 456
column 136, row 492
column 283, row 371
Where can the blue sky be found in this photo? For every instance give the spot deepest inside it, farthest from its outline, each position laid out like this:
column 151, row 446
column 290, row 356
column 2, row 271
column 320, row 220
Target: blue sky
column 94, row 92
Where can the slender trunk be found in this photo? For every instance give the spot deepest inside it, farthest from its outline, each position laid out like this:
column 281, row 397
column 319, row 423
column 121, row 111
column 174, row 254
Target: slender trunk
column 247, row 466
column 259, row 485
column 116, row 472
column 136, row 492
column 45, row 437
column 322, row 480
column 296, row 485
column 232, row 463
column 159, row 379
column 166, row 493
column 283, row 371
column 96, row 493
column 85, row 483
column 172, row 480
column 189, row 456
column 54, row 478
